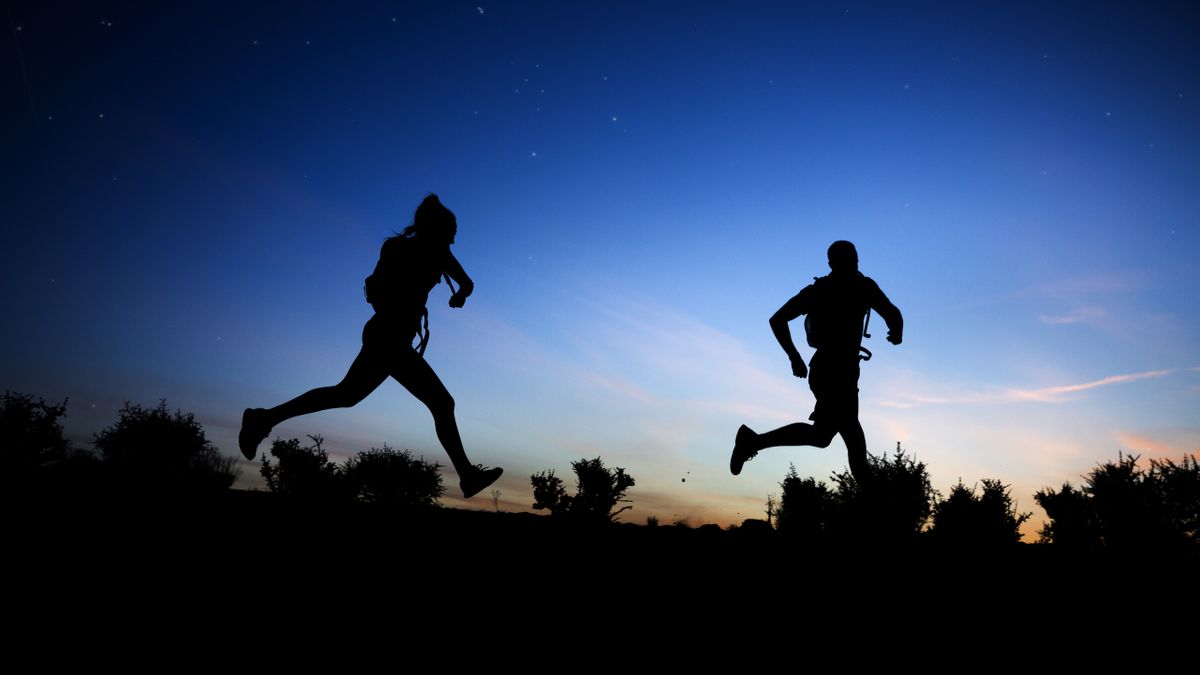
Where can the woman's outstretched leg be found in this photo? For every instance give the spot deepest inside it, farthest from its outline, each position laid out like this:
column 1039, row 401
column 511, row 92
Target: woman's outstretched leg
column 412, row 371
column 365, row 375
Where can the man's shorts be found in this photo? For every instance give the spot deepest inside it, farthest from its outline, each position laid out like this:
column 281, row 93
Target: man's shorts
column 833, row 380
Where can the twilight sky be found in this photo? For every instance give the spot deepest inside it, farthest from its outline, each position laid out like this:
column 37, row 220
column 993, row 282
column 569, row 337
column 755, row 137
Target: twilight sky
column 193, row 193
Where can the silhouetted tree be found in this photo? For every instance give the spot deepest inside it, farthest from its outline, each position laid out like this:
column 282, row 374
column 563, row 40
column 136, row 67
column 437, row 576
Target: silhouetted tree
column 549, row 492
column 804, row 507
column 393, row 478
column 155, row 449
column 987, row 519
column 31, row 436
column 892, row 504
column 304, row 472
column 1179, row 485
column 1123, row 505
column 1071, row 521
column 598, row 489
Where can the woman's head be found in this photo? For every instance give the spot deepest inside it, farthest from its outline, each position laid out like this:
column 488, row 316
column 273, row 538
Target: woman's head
column 433, row 220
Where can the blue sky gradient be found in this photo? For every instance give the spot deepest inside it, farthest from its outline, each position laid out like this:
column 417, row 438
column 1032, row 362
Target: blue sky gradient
column 193, row 196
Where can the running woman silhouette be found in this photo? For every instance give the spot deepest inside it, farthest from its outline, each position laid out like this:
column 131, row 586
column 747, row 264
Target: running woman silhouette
column 410, row 265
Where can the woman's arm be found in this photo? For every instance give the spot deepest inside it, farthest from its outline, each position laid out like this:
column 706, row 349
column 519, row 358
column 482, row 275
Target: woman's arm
column 465, row 286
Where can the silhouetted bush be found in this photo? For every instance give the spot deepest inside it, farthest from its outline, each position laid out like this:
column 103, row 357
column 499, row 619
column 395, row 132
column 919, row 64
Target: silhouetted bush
column 303, row 472
column 987, row 519
column 1179, row 487
column 31, row 436
column 394, row 478
column 1071, row 521
column 597, row 491
column 383, row 476
column 549, row 492
column 1123, row 505
column 156, row 450
column 891, row 504
column 804, row 507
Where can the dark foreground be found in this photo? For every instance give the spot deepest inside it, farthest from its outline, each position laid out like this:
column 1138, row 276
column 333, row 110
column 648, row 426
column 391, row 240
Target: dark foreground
column 252, row 561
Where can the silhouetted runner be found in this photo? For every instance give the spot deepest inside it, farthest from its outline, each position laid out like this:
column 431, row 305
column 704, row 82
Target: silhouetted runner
column 837, row 306
column 410, row 265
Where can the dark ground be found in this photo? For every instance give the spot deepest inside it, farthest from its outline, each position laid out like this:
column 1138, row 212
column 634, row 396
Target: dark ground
column 252, row 563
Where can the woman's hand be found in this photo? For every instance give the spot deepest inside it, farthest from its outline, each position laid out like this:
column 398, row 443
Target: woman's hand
column 455, row 271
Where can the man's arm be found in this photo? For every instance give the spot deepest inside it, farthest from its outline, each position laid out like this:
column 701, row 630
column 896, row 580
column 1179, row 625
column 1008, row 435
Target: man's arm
column 890, row 314
column 465, row 286
column 779, row 326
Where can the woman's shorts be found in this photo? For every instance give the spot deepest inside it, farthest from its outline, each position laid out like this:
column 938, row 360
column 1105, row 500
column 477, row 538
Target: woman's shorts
column 389, row 331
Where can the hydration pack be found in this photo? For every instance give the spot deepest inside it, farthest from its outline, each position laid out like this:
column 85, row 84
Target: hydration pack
column 401, row 283
column 816, row 329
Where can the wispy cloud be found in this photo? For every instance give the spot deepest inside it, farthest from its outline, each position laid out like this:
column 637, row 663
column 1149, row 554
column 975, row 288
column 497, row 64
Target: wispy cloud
column 1056, row 394
column 1072, row 290
column 1113, row 281
column 1081, row 315
column 1141, row 444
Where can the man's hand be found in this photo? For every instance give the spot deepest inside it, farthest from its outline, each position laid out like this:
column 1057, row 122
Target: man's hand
column 798, row 368
column 458, row 299
column 895, row 338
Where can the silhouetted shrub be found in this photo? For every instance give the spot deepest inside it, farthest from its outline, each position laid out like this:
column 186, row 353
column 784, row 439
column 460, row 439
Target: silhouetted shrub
column 1071, row 521
column 549, row 492
column 987, row 519
column 155, row 449
column 303, row 472
column 393, row 478
column 31, row 436
column 804, row 507
column 891, row 504
column 1179, row 487
column 1123, row 505
column 597, row 491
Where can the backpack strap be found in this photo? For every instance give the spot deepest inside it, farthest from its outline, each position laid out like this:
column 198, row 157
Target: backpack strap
column 864, row 350
column 424, row 329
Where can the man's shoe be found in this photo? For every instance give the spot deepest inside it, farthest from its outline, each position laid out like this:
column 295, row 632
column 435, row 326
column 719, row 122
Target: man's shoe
column 741, row 450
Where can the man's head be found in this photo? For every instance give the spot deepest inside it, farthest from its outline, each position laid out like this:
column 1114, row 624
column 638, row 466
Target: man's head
column 843, row 257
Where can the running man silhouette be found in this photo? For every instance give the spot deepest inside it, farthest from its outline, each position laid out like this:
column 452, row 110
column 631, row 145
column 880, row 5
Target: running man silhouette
column 836, row 306
column 410, row 265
